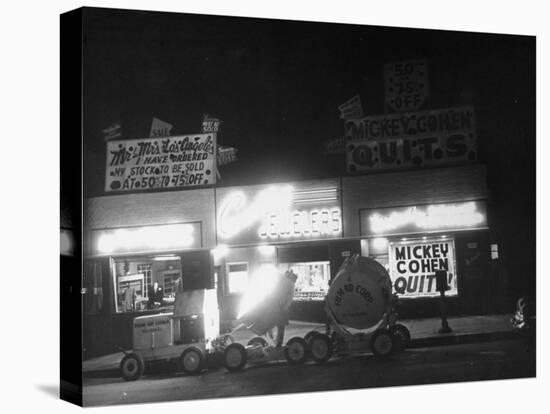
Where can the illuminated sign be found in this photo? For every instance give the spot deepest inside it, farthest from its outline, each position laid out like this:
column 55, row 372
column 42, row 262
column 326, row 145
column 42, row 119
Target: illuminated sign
column 278, row 213
column 147, row 239
column 412, row 267
column 427, row 218
column 323, row 222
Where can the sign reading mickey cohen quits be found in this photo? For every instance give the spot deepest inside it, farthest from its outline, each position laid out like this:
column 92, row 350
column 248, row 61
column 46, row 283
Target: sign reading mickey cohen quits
column 434, row 137
column 413, row 266
column 154, row 163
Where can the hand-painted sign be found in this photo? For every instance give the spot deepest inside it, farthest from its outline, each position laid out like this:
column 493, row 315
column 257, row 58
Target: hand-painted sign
column 413, row 266
column 424, row 218
column 414, row 124
column 210, row 125
column 112, row 131
column 226, row 155
column 160, row 129
column 351, row 109
column 411, row 140
column 335, row 146
column 155, row 163
column 406, row 85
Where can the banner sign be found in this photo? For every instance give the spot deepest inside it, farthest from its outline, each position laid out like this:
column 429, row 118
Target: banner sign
column 160, row 129
column 335, row 146
column 411, row 140
column 226, row 155
column 351, row 109
column 413, row 265
column 406, row 85
column 155, row 163
column 424, row 218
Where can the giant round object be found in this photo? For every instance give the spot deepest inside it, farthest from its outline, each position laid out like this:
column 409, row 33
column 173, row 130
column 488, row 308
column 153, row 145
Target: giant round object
column 360, row 294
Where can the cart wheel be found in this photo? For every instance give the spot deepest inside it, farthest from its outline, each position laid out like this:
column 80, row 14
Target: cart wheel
column 382, row 344
column 401, row 336
column 310, row 335
column 131, row 367
column 257, row 340
column 320, row 348
column 235, row 357
column 191, row 360
column 296, row 351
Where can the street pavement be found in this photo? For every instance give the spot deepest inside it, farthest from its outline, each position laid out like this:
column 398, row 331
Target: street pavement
column 424, row 333
column 500, row 359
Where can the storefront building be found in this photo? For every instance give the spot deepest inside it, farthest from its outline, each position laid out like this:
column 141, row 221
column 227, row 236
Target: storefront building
column 233, row 238
column 138, row 248
column 268, row 229
column 417, row 222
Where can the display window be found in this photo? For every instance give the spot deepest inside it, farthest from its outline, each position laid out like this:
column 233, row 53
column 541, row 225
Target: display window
column 412, row 265
column 146, row 282
column 312, row 281
column 237, row 277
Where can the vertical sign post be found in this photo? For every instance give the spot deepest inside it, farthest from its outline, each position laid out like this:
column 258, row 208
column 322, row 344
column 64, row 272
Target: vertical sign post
column 441, row 285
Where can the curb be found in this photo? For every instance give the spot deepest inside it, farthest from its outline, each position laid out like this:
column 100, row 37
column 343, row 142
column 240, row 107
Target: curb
column 459, row 339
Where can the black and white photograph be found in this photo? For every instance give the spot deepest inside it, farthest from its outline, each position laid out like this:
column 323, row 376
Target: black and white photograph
column 282, row 207
column 274, row 206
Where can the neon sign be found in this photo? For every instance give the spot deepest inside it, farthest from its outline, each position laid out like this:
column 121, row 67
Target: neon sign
column 272, row 210
column 149, row 238
column 324, row 222
column 428, row 218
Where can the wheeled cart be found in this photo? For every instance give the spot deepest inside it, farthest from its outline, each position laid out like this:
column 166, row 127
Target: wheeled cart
column 184, row 338
column 361, row 314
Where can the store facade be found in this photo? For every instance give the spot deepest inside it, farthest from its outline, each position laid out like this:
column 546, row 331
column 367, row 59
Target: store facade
column 264, row 230
column 139, row 247
column 418, row 222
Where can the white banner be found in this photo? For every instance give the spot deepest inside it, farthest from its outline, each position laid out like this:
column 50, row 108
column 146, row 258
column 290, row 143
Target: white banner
column 413, row 265
column 155, row 163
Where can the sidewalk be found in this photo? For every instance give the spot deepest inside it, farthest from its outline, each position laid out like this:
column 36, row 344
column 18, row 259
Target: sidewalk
column 424, row 333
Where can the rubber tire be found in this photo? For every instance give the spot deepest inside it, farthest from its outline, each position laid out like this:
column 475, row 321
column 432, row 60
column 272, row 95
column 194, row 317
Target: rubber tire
column 327, row 346
column 235, row 347
column 140, row 366
column 403, row 336
column 257, row 340
column 198, row 356
column 289, row 351
column 385, row 336
column 310, row 335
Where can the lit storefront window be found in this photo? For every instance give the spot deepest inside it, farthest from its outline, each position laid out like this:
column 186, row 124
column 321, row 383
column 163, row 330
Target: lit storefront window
column 145, row 283
column 312, row 281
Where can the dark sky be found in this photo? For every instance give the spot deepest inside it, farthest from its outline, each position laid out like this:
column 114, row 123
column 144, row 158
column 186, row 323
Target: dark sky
column 277, row 84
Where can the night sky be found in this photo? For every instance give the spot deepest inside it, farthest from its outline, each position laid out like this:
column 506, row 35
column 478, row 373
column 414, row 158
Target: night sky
column 276, row 85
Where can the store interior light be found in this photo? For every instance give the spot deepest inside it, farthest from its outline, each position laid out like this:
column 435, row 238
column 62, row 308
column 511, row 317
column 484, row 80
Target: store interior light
column 266, row 250
column 161, row 237
column 165, row 258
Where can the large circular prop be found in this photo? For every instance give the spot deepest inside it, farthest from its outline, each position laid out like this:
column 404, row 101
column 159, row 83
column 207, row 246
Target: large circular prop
column 360, row 294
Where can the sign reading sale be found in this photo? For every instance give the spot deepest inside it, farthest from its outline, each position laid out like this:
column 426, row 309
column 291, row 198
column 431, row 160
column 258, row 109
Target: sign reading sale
column 406, row 84
column 413, row 266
